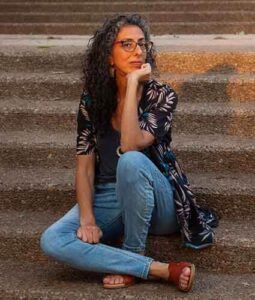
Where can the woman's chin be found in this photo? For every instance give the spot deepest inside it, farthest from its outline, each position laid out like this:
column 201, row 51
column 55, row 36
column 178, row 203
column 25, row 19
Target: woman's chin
column 134, row 67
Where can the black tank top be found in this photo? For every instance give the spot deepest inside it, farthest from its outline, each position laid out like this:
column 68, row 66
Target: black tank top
column 108, row 158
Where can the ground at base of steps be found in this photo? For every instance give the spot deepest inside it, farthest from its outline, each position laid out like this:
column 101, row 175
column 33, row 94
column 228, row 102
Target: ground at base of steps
column 21, row 280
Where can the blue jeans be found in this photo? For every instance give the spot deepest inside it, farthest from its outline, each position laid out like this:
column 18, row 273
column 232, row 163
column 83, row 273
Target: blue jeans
column 139, row 203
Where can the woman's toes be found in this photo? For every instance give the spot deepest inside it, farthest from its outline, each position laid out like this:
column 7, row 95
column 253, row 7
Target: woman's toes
column 186, row 272
column 116, row 279
column 113, row 279
column 184, row 278
column 106, row 279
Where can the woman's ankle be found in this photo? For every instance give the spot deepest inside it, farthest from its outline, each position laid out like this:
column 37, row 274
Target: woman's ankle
column 159, row 269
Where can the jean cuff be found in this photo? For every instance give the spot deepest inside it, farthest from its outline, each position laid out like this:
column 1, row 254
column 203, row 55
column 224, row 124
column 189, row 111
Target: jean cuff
column 146, row 269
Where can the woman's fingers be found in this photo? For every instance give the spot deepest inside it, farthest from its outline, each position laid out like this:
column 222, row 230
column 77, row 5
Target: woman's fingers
column 89, row 234
column 79, row 234
column 96, row 234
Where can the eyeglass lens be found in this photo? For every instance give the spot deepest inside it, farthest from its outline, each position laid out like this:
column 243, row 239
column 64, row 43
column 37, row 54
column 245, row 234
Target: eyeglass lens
column 131, row 45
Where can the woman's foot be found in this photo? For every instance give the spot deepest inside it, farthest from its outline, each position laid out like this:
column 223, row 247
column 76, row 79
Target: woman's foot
column 184, row 278
column 118, row 280
column 181, row 274
column 114, row 281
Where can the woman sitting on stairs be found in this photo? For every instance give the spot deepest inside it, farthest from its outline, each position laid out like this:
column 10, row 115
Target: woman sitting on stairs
column 128, row 182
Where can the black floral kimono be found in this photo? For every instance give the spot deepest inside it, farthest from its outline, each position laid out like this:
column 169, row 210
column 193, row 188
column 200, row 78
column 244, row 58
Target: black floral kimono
column 155, row 113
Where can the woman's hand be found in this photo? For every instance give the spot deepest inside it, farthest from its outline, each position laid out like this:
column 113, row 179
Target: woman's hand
column 141, row 74
column 89, row 233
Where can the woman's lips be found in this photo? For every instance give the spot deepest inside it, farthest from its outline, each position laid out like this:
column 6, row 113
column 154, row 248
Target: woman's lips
column 136, row 63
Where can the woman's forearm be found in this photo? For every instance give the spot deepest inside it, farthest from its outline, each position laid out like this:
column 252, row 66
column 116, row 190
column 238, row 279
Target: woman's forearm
column 84, row 193
column 131, row 133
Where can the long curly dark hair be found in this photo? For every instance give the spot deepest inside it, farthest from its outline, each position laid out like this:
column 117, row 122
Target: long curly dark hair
column 98, row 82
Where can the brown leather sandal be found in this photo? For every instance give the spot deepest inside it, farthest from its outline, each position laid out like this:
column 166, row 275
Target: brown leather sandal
column 175, row 271
column 128, row 280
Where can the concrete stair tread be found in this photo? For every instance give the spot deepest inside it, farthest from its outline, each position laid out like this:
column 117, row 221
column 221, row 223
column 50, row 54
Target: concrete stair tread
column 73, row 77
column 156, row 28
column 177, row 54
column 213, row 108
column 61, row 1
column 217, row 77
column 227, row 118
column 19, row 105
column 57, row 178
column 55, row 281
column 28, row 45
column 41, row 188
column 43, row 138
column 98, row 24
column 236, row 233
column 133, row 5
column 151, row 16
column 109, row 12
column 235, row 242
column 202, row 152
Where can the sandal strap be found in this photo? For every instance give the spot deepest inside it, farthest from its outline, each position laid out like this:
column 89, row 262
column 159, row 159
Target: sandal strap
column 175, row 270
column 128, row 279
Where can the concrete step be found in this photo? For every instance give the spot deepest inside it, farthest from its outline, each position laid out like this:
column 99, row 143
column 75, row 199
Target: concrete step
column 175, row 54
column 199, row 152
column 160, row 16
column 212, row 118
column 54, row 281
column 109, row 1
column 159, row 28
column 190, row 118
column 192, row 87
column 213, row 87
column 234, row 247
column 232, row 195
column 132, row 6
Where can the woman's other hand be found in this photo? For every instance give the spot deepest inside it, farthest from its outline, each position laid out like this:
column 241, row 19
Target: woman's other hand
column 141, row 74
column 89, row 233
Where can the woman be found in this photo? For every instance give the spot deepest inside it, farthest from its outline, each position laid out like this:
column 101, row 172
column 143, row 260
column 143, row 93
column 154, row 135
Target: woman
column 124, row 119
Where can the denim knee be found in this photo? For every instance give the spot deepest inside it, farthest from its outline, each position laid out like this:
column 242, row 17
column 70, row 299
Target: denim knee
column 49, row 242
column 130, row 165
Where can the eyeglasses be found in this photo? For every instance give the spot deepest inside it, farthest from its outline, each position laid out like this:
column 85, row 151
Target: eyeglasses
column 130, row 45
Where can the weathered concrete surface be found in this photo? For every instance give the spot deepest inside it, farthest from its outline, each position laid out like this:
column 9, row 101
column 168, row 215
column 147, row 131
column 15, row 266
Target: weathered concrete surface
column 199, row 152
column 156, row 28
column 230, row 118
column 133, row 6
column 176, row 54
column 234, row 247
column 212, row 87
column 55, row 281
column 190, row 87
column 232, row 195
column 160, row 16
column 165, row 17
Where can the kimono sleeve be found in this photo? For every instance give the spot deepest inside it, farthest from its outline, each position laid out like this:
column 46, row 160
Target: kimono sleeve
column 86, row 137
column 157, row 118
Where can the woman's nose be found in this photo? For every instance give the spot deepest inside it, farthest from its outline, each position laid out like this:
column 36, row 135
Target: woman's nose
column 138, row 50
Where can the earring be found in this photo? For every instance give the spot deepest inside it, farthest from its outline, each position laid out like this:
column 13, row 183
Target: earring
column 112, row 71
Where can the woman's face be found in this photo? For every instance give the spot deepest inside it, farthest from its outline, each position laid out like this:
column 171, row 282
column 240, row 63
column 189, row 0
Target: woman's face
column 124, row 61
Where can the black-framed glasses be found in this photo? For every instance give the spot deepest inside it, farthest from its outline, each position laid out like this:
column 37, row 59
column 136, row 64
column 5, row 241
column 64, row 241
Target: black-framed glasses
column 130, row 45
